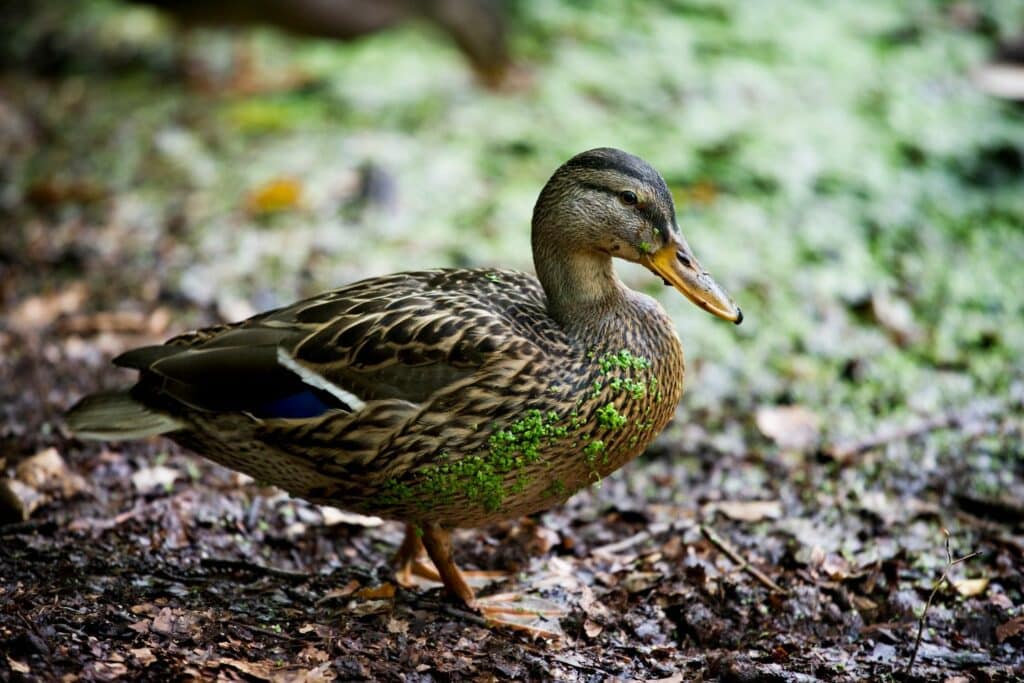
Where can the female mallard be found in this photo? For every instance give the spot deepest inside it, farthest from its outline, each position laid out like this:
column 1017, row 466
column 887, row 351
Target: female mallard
column 444, row 398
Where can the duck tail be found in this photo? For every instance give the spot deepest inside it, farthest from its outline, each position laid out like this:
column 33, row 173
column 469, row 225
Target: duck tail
column 116, row 416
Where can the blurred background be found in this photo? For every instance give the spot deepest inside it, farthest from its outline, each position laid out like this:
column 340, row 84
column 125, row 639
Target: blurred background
column 842, row 168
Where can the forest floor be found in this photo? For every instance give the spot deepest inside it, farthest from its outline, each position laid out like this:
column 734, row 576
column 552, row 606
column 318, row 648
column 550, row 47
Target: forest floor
column 853, row 451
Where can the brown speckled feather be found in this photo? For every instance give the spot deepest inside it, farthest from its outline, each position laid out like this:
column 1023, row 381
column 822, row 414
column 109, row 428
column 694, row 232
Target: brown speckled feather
column 453, row 397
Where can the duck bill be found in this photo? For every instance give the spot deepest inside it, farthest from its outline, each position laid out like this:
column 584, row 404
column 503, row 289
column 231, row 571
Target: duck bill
column 676, row 265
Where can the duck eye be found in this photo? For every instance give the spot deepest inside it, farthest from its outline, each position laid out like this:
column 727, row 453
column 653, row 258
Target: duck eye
column 628, row 197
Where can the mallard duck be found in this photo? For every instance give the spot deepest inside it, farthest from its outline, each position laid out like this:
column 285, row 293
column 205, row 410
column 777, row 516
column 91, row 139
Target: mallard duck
column 476, row 26
column 444, row 398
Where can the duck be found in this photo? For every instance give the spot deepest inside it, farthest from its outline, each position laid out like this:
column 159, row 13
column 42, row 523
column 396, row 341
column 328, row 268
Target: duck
column 446, row 398
column 477, row 27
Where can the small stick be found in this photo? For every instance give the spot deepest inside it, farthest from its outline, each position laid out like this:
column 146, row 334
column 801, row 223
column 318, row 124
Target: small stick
column 972, row 418
column 950, row 563
column 636, row 539
column 734, row 555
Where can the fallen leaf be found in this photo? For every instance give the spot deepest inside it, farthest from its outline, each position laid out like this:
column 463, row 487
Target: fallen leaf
column 258, row 670
column 109, row 670
column 365, row 608
column 281, row 194
column 55, row 191
column 47, row 471
column 397, row 626
column 117, row 322
column 42, row 467
column 1009, row 629
column 163, row 622
column 18, row 501
column 866, row 606
column 969, row 588
column 158, row 478
column 592, row 628
column 312, row 653
column 385, row 591
column 335, row 593
column 835, row 566
column 748, row 510
column 169, row 621
column 17, row 666
column 895, row 316
column 636, row 582
column 146, row 608
column 144, row 655
column 794, row 428
column 37, row 312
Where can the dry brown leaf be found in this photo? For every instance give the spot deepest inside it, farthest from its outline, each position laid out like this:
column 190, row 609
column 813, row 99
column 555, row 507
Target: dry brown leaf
column 397, row 626
column 258, row 670
column 18, row 501
column 320, row 674
column 1009, row 629
column 836, row 567
column 37, row 312
column 365, row 608
column 592, row 628
column 311, row 653
column 749, row 510
column 385, row 591
column 144, row 655
column 170, row 621
column 117, row 322
column 110, row 670
column 17, row 666
column 335, row 593
column 141, row 626
column 866, row 606
column 146, row 608
column 281, row 194
column 47, row 471
column 793, row 428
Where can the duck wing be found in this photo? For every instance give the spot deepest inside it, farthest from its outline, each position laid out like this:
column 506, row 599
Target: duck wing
column 405, row 336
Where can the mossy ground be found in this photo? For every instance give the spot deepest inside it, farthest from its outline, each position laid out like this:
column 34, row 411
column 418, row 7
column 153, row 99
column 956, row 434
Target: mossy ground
column 833, row 167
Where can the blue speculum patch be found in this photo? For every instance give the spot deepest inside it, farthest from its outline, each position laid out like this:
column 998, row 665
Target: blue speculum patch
column 303, row 404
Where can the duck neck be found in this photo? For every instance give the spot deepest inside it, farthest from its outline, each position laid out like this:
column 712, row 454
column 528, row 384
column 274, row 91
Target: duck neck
column 581, row 287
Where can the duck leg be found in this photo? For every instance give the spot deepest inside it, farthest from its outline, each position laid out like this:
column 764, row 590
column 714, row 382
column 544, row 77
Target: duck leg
column 408, row 563
column 533, row 615
column 438, row 543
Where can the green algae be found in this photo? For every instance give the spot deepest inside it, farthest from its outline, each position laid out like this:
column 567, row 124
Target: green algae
column 608, row 417
column 487, row 478
column 623, row 360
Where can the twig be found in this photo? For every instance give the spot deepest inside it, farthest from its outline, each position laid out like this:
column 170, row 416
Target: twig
column 636, row 539
column 950, row 563
column 734, row 555
column 260, row 629
column 242, row 565
column 974, row 416
column 462, row 614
